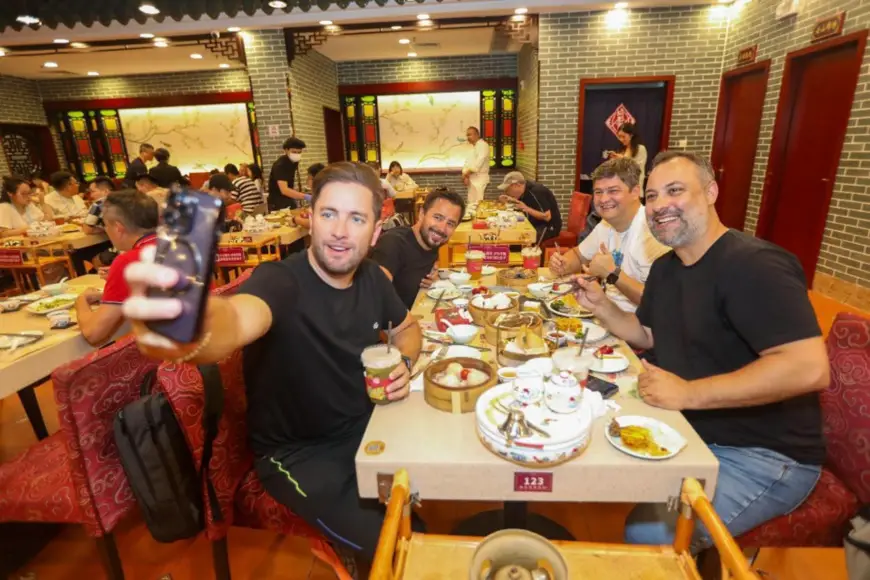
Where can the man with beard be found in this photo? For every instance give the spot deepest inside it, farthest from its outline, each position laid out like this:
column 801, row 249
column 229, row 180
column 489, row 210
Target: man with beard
column 408, row 255
column 303, row 324
column 738, row 348
column 620, row 250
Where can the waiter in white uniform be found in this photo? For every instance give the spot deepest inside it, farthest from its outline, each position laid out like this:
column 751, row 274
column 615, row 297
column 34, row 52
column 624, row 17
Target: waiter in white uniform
column 475, row 173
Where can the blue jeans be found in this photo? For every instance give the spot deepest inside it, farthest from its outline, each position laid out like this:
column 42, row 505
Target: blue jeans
column 755, row 485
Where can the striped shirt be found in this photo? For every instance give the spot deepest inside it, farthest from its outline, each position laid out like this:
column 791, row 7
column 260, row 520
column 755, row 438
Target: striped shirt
column 247, row 194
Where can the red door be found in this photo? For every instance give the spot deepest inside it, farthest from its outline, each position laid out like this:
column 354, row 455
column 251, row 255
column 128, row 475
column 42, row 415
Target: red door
column 334, row 135
column 814, row 108
column 735, row 140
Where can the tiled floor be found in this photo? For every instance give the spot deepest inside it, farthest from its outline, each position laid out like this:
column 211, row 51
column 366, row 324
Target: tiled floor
column 259, row 555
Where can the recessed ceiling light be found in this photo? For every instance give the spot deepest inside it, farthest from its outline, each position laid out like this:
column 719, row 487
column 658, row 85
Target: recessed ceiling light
column 161, row 44
column 146, row 35
column 93, row 73
column 325, row 22
column 521, row 11
column 396, row 27
column 425, row 23
column 234, row 29
column 148, row 8
column 412, row 54
column 404, row 41
column 620, row 5
column 27, row 19
column 224, row 65
column 196, row 56
column 278, row 4
column 79, row 45
column 49, row 64
column 61, row 41
column 422, row 17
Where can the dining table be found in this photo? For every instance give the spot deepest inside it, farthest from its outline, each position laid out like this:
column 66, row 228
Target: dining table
column 498, row 243
column 27, row 367
column 447, row 461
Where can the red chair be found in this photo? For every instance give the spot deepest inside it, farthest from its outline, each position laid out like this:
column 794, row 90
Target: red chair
column 243, row 500
column 845, row 482
column 580, row 204
column 75, row 476
column 388, row 209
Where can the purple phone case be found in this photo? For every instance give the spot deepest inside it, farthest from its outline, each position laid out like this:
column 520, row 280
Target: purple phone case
column 189, row 245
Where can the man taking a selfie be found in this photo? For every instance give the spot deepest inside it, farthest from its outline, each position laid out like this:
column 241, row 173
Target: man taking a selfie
column 303, row 324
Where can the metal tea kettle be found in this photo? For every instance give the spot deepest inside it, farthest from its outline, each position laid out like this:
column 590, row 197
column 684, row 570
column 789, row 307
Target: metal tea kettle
column 516, row 426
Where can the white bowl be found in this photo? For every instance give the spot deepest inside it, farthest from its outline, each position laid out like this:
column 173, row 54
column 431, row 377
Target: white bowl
column 466, row 289
column 55, row 289
column 462, row 333
column 461, row 303
column 540, row 290
column 443, row 274
column 459, row 278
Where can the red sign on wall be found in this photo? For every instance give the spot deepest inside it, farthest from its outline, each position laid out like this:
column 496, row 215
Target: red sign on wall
column 828, row 27
column 493, row 253
column 541, row 482
column 230, row 255
column 618, row 118
column 747, row 55
column 11, row 258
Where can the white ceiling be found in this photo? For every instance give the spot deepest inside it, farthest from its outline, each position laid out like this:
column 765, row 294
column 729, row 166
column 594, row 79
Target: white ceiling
column 433, row 43
column 113, row 63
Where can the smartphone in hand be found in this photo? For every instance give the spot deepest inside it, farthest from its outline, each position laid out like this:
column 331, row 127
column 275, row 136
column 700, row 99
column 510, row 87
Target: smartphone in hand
column 187, row 239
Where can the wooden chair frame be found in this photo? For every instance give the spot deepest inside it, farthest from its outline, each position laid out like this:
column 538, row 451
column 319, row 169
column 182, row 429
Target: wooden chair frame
column 393, row 544
column 33, row 258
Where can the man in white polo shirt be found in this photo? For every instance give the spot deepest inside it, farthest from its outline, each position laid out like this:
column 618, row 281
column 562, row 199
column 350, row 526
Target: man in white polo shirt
column 621, row 249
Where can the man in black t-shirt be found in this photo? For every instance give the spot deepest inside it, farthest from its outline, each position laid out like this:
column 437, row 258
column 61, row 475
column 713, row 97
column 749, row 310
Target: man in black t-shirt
column 738, row 347
column 408, row 255
column 137, row 167
column 536, row 201
column 303, row 324
column 282, row 177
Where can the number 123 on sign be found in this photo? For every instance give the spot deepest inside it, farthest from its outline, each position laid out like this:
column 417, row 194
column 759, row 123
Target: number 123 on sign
column 533, row 481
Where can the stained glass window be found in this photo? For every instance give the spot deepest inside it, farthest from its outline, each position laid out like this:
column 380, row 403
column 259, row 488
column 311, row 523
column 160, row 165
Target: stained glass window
column 255, row 134
column 369, row 121
column 78, row 123
column 112, row 138
column 508, row 120
column 352, row 144
column 488, row 118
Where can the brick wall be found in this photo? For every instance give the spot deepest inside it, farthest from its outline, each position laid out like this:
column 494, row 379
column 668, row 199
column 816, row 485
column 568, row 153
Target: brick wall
column 669, row 41
column 427, row 69
column 314, row 85
column 845, row 251
column 527, row 112
column 20, row 105
column 453, row 181
column 145, row 85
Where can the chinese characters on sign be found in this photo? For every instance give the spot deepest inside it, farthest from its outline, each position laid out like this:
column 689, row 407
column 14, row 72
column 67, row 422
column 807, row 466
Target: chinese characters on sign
column 230, row 255
column 618, row 118
column 828, row 27
column 533, row 481
column 493, row 254
column 747, row 55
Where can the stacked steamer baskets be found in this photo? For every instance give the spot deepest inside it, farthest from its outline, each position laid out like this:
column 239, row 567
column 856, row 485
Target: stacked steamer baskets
column 551, row 439
column 518, row 278
column 445, row 390
column 484, row 309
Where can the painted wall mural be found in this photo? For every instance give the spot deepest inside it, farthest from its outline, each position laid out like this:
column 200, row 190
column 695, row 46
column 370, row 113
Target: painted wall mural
column 427, row 130
column 199, row 138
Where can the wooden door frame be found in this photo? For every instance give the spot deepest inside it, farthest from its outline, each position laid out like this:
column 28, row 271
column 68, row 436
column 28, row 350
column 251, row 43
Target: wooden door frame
column 341, row 126
column 669, row 80
column 782, row 127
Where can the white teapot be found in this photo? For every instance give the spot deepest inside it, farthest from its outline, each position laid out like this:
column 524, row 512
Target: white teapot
column 563, row 393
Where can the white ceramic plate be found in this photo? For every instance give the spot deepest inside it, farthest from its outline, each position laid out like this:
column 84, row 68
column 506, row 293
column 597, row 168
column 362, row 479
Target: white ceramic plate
column 613, row 363
column 459, row 351
column 445, row 294
column 30, row 297
column 7, row 342
column 596, row 333
column 582, row 314
column 488, row 270
column 64, row 301
column 664, row 435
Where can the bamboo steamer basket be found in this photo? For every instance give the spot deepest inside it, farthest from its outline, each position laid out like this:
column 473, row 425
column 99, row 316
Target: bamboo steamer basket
column 481, row 316
column 456, row 400
column 511, row 282
column 530, row 319
column 514, row 359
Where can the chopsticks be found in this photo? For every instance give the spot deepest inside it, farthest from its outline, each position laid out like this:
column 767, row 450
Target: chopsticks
column 437, row 302
column 17, row 335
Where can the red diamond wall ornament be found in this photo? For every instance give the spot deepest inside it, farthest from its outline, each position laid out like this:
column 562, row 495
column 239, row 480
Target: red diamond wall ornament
column 618, row 118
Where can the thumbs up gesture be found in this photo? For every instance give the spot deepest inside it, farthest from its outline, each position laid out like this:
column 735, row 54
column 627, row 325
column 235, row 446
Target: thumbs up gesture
column 602, row 263
column 659, row 388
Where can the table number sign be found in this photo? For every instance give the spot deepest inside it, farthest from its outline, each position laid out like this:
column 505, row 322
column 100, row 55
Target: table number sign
column 531, row 481
column 829, row 27
column 232, row 254
column 493, row 253
column 10, row 258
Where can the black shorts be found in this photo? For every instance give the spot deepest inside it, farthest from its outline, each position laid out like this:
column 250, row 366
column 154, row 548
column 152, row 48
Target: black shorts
column 318, row 483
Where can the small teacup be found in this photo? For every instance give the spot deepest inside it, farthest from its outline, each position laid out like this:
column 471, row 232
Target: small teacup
column 461, row 303
column 507, row 374
column 466, row 289
column 528, row 386
column 60, row 319
column 10, row 305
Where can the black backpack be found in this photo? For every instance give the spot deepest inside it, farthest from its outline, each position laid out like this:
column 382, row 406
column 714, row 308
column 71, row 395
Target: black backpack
column 159, row 464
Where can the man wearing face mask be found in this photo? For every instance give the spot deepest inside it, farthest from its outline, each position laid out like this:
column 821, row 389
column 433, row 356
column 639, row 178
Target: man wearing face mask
column 282, row 178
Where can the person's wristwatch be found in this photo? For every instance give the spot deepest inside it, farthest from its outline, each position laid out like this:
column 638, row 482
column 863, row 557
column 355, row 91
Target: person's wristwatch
column 408, row 362
column 613, row 277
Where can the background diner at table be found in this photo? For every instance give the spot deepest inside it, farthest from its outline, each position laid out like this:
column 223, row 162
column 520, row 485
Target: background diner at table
column 537, row 274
